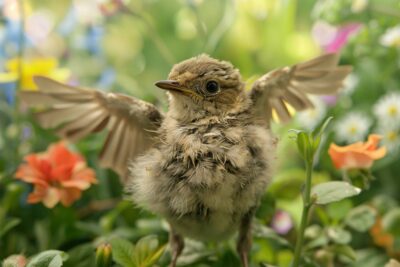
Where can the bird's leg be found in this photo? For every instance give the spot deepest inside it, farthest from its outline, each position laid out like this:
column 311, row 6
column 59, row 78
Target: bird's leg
column 176, row 244
column 245, row 239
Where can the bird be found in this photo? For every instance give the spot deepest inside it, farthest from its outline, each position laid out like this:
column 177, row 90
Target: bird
column 205, row 163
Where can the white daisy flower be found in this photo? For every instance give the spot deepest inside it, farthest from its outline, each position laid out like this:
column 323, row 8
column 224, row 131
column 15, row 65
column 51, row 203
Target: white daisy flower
column 353, row 127
column 391, row 37
column 387, row 109
column 350, row 84
column 390, row 137
column 310, row 118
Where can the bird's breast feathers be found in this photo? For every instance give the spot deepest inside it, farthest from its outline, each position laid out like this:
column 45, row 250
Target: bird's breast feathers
column 205, row 175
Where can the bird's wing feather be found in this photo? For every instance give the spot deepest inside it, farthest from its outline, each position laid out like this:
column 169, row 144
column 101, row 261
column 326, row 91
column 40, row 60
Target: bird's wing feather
column 291, row 85
column 76, row 112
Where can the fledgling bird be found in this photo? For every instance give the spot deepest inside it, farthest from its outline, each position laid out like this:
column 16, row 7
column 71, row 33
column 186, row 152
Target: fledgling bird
column 205, row 164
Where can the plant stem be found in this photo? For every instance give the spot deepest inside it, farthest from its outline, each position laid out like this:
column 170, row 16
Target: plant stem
column 305, row 214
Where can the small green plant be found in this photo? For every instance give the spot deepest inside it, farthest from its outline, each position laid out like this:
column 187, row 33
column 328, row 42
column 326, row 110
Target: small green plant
column 308, row 144
column 145, row 253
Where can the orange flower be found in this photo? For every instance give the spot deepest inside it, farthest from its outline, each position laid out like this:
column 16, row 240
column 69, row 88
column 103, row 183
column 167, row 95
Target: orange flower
column 358, row 155
column 58, row 175
column 384, row 239
column 380, row 237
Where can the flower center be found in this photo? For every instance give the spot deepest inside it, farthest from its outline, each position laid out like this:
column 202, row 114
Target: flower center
column 353, row 130
column 392, row 111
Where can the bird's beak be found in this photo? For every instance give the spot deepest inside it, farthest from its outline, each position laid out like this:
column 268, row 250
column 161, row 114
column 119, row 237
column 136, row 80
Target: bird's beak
column 168, row 85
column 172, row 85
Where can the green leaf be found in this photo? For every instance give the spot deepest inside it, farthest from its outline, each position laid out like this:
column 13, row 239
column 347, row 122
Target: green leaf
column 370, row 257
column 383, row 203
column 333, row 191
column 56, row 261
column 315, row 144
column 313, row 231
column 391, row 222
column 304, row 146
column 8, row 225
column 122, row 252
column 338, row 210
column 147, row 251
column 48, row 258
column 339, row 235
column 361, row 218
column 319, row 241
column 317, row 132
column 345, row 250
column 81, row 256
column 261, row 231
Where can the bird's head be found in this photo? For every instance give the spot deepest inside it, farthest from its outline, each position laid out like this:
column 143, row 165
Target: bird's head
column 204, row 85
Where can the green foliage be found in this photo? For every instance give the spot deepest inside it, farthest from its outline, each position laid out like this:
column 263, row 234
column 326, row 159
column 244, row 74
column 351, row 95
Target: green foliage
column 333, row 191
column 49, row 258
column 7, row 225
column 144, row 254
column 324, row 193
column 81, row 256
column 391, row 222
column 361, row 218
column 123, row 252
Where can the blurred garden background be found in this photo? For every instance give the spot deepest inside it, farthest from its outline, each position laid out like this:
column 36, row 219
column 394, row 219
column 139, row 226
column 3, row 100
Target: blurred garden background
column 127, row 45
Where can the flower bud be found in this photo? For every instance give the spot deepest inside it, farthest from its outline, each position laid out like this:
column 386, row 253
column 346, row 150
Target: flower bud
column 103, row 255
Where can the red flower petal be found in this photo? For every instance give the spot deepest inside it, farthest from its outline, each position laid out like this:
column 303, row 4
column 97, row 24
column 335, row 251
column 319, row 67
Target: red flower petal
column 59, row 175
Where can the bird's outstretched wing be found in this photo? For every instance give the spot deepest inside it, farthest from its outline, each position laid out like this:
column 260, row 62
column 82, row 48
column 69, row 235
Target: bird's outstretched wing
column 290, row 85
column 76, row 112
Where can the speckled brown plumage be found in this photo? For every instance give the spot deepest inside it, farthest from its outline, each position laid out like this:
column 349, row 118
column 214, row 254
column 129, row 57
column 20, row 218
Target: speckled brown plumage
column 206, row 163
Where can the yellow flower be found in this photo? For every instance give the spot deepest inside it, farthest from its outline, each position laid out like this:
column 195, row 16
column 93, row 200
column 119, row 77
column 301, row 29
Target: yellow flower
column 38, row 66
column 8, row 77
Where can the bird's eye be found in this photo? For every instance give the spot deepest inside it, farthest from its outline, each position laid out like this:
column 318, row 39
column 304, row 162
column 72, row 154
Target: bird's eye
column 212, row 87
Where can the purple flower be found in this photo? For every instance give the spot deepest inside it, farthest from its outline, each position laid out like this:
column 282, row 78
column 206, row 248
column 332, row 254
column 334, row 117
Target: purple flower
column 330, row 100
column 282, row 222
column 26, row 132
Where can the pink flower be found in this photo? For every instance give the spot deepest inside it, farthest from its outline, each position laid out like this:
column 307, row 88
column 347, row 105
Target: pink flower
column 342, row 36
column 282, row 222
column 332, row 38
column 58, row 175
